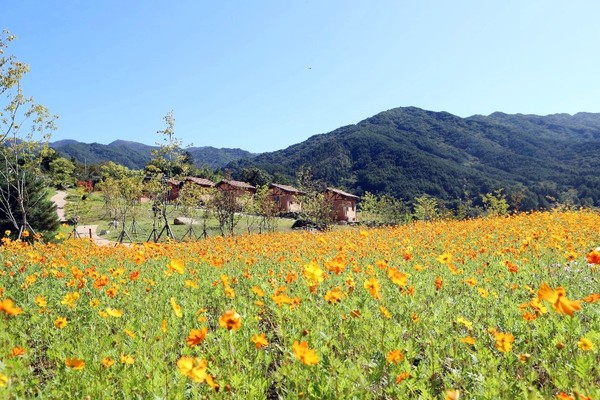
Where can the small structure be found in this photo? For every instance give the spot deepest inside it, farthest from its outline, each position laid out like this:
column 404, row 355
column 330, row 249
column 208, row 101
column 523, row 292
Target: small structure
column 173, row 188
column 286, row 198
column 202, row 182
column 238, row 188
column 343, row 204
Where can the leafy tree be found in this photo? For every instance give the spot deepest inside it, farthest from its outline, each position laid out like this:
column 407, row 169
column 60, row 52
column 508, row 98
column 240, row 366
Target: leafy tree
column 256, row 176
column 21, row 190
column 425, row 208
column 495, row 204
column 316, row 209
column 61, row 171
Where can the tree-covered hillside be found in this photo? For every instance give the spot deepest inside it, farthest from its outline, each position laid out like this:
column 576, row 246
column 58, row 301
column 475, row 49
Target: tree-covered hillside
column 408, row 152
column 136, row 155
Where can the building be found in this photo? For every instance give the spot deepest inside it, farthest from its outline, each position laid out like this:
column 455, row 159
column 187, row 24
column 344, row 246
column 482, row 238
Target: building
column 343, row 204
column 236, row 187
column 286, row 197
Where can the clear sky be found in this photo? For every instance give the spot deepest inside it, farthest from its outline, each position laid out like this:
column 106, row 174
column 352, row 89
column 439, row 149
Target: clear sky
column 265, row 74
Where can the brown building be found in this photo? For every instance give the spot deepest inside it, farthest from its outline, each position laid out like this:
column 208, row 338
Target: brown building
column 237, row 187
column 344, row 204
column 286, row 197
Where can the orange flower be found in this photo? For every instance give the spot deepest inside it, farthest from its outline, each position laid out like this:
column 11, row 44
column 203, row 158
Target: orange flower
column 8, row 307
column 260, row 341
column 230, row 320
column 372, row 286
column 452, row 394
column 334, row 296
column 107, row 362
column 511, row 267
column 397, row 277
column 304, row 353
column 196, row 336
column 504, row 341
column 438, row 283
column 559, row 301
column 593, row 257
column 395, row 356
column 402, row 376
column 75, row 363
column 468, row 340
column 17, row 351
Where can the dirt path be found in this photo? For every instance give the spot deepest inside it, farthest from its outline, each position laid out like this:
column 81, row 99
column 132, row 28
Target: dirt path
column 60, row 199
column 83, row 231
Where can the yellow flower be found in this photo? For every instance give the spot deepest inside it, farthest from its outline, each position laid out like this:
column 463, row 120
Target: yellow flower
column 129, row 333
column 193, row 368
column 70, row 299
column 176, row 308
column 40, row 301
column 585, row 344
column 60, row 322
column 3, row 378
column 176, row 266
column 397, row 277
column 114, row 312
column 313, row 273
column 126, row 359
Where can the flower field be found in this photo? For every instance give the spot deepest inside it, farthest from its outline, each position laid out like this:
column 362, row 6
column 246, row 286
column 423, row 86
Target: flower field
column 481, row 309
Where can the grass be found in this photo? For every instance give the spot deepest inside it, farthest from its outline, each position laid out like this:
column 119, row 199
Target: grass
column 94, row 212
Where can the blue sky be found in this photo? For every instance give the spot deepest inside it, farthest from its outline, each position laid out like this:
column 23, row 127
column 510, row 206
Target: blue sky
column 263, row 75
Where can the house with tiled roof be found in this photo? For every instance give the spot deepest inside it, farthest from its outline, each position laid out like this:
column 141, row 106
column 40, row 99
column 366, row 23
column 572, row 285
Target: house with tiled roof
column 286, row 197
column 239, row 188
column 343, row 204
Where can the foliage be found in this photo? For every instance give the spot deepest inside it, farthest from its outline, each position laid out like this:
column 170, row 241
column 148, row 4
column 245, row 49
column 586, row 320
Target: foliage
column 495, row 204
column 484, row 308
column 25, row 128
column 425, row 208
column 61, row 171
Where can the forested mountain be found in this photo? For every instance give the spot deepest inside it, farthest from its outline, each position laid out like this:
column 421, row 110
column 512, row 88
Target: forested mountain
column 136, row 155
column 408, row 152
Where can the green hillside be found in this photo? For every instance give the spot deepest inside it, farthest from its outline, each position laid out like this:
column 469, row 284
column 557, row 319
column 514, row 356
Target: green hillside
column 407, row 152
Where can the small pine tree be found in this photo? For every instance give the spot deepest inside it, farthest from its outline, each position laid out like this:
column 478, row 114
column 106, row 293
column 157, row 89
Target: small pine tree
column 41, row 212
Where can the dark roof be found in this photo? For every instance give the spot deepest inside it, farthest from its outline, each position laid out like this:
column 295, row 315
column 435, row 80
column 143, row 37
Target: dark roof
column 200, row 181
column 286, row 188
column 342, row 193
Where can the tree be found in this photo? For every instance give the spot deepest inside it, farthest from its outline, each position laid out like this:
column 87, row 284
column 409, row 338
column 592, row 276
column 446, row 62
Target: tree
column 495, row 204
column 316, row 209
column 21, row 154
column 61, row 171
column 425, row 208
